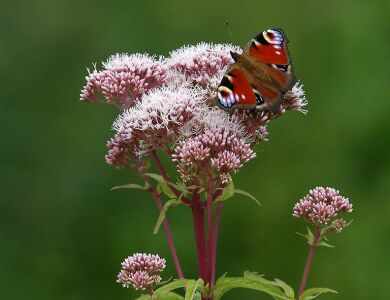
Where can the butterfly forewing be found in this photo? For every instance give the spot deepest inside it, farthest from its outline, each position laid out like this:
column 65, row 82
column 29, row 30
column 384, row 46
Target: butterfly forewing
column 235, row 89
column 270, row 47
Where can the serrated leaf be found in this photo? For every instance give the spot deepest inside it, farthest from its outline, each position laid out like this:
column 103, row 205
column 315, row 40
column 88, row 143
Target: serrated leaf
column 325, row 244
column 144, row 297
column 178, row 283
column 191, row 288
column 167, row 190
column 159, row 188
column 225, row 284
column 163, row 212
column 163, row 186
column 155, row 176
column 309, row 236
column 288, row 290
column 314, row 293
column 254, row 276
column 310, row 233
column 244, row 193
column 165, row 296
column 129, row 186
column 197, row 296
column 180, row 186
column 227, row 193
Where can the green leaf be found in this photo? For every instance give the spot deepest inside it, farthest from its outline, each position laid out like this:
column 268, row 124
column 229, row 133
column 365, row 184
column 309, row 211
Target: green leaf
column 168, row 296
column 314, row 293
column 166, row 189
column 309, row 236
column 325, row 244
column 197, row 296
column 165, row 296
column 155, row 176
column 309, row 233
column 144, row 297
column 287, row 290
column 129, row 186
column 159, row 188
column 163, row 186
column 244, row 193
column 227, row 193
column 164, row 210
column 225, row 284
column 191, row 288
column 178, row 283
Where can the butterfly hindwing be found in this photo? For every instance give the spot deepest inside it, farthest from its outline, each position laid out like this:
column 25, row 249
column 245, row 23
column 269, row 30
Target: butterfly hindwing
column 236, row 91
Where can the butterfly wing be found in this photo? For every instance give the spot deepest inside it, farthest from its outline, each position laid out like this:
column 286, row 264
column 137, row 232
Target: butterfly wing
column 260, row 76
column 270, row 47
column 235, row 90
column 269, row 54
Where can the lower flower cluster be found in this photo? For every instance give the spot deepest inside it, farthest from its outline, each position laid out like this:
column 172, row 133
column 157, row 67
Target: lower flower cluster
column 321, row 205
column 140, row 271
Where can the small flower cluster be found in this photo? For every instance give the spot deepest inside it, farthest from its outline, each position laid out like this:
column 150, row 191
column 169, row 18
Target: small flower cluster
column 140, row 271
column 214, row 152
column 321, row 205
column 165, row 105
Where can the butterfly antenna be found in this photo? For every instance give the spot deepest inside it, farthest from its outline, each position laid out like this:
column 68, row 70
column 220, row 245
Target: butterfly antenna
column 230, row 32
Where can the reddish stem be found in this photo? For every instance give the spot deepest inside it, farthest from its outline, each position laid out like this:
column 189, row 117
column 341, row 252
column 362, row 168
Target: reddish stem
column 167, row 229
column 198, row 215
column 209, row 193
column 214, row 243
column 309, row 261
column 149, row 289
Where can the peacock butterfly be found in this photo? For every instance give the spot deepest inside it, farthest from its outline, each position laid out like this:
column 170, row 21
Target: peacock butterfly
column 260, row 76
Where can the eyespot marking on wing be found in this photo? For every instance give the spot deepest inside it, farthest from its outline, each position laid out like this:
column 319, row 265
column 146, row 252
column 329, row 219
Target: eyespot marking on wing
column 273, row 36
column 259, row 99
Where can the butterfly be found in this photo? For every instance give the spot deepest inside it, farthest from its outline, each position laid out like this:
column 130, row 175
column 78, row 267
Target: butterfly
column 260, row 76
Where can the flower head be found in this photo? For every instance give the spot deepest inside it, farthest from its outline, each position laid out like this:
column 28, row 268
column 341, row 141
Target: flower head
column 203, row 64
column 216, row 152
column 294, row 99
column 321, row 205
column 338, row 225
column 156, row 119
column 124, row 79
column 140, row 271
column 118, row 151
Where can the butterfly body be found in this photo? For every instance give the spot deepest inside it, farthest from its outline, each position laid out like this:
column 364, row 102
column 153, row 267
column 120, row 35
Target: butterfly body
column 260, row 76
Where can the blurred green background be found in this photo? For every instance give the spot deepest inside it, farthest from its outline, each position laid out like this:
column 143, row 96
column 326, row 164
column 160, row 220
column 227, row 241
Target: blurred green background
column 63, row 233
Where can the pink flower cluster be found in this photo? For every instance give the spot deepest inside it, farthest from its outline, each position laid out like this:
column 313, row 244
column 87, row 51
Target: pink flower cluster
column 152, row 123
column 140, row 271
column 124, row 79
column 203, row 64
column 217, row 152
column 321, row 205
column 118, row 151
column 165, row 105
